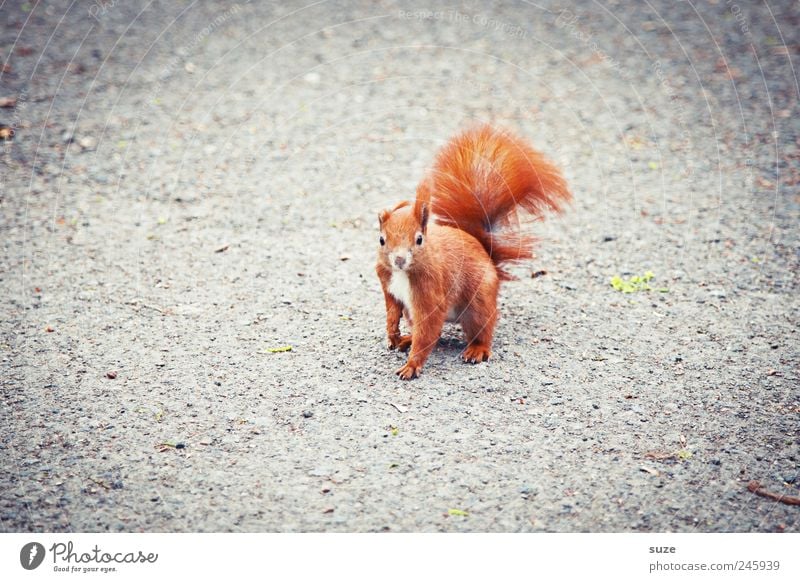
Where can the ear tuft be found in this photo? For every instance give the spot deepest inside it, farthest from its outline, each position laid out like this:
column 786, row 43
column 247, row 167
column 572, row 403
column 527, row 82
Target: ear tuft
column 383, row 215
column 422, row 215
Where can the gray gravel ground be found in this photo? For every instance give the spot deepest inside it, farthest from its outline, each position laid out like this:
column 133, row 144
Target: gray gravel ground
column 193, row 183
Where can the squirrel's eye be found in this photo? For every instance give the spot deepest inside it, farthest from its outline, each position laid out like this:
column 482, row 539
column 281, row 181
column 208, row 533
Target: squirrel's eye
column 383, row 241
column 419, row 239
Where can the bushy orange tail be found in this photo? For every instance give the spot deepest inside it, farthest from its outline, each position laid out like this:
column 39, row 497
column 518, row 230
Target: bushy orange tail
column 481, row 179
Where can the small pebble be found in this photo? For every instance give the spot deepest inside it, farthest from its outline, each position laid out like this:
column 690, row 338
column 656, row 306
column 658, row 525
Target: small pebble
column 87, row 142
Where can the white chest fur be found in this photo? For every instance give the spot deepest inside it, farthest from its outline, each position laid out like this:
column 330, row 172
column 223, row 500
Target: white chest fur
column 400, row 288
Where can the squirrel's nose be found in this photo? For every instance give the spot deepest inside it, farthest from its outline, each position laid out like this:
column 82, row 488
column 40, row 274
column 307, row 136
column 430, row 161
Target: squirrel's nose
column 400, row 262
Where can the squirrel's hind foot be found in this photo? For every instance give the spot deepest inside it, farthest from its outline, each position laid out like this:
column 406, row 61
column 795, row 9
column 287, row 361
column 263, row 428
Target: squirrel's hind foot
column 409, row 372
column 475, row 354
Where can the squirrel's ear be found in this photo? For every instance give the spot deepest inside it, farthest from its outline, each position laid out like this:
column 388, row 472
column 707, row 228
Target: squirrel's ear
column 423, row 214
column 382, row 216
column 422, row 203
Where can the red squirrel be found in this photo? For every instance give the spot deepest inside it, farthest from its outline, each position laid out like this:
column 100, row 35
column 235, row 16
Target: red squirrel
column 442, row 256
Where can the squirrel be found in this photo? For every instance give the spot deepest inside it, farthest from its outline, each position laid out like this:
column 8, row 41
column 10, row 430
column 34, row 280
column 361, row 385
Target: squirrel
column 442, row 256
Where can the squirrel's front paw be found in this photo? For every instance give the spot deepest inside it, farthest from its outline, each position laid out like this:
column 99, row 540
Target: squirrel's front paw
column 409, row 371
column 401, row 343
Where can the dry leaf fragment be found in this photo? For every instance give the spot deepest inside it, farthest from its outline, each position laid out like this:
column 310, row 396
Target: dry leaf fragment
column 659, row 455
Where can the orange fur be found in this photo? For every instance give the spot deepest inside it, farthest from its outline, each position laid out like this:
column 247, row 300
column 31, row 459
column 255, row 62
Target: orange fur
column 482, row 178
column 443, row 255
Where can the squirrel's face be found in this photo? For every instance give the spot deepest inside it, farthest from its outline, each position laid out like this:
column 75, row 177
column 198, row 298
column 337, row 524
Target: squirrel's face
column 402, row 234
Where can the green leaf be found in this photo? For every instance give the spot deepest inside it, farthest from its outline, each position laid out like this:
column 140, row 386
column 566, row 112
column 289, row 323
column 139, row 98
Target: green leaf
column 278, row 350
column 458, row 512
column 633, row 284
